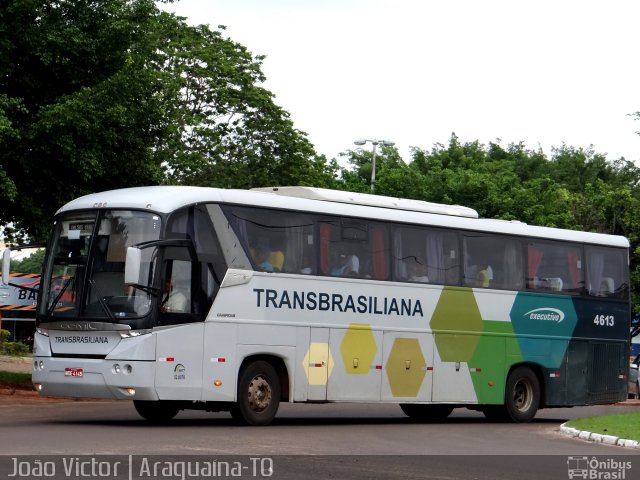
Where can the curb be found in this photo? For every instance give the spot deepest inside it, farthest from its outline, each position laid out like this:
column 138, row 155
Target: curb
column 598, row 438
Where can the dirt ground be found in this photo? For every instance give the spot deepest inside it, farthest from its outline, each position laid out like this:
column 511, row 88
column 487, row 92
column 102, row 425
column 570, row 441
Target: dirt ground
column 17, row 391
column 15, row 364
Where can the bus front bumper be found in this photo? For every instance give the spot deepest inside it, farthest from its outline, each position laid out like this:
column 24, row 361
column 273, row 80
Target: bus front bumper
column 82, row 377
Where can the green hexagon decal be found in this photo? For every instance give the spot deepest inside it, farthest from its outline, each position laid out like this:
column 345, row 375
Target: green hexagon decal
column 457, row 311
column 489, row 364
column 358, row 349
column 406, row 367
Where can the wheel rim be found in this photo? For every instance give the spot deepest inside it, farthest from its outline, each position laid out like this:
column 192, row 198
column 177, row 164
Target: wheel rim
column 259, row 394
column 522, row 395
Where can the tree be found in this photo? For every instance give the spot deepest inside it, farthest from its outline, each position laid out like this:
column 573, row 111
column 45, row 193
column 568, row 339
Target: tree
column 576, row 168
column 31, row 264
column 102, row 94
column 357, row 177
column 83, row 110
column 228, row 130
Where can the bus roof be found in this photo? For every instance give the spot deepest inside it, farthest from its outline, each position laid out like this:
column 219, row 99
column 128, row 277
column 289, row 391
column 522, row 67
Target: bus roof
column 165, row 199
column 371, row 200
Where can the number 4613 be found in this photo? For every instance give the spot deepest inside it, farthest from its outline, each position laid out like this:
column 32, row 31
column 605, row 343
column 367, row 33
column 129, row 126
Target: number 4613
column 603, row 320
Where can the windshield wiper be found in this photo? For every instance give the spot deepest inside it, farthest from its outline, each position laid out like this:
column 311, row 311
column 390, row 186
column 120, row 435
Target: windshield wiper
column 59, row 296
column 103, row 304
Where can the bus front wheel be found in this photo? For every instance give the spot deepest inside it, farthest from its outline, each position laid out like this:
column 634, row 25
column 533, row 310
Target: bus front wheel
column 258, row 394
column 156, row 411
column 522, row 396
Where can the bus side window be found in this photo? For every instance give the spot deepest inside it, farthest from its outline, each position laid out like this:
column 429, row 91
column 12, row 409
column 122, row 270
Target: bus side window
column 554, row 267
column 606, row 269
column 276, row 241
column 425, row 256
column 493, row 261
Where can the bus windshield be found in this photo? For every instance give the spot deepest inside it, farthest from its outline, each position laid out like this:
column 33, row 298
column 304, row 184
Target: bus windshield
column 84, row 276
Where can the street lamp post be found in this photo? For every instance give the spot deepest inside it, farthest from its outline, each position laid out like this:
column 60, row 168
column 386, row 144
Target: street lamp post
column 386, row 143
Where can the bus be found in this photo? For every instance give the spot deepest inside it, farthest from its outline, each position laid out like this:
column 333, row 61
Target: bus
column 236, row 300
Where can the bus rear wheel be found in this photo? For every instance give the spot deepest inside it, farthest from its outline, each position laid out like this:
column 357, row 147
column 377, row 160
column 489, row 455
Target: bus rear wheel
column 522, row 395
column 156, row 411
column 426, row 413
column 258, row 394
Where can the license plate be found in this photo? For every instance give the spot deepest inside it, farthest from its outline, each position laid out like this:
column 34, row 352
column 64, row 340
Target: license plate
column 73, row 372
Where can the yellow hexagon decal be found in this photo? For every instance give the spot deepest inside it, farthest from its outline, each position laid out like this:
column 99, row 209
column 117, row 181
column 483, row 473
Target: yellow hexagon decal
column 406, row 367
column 358, row 349
column 318, row 363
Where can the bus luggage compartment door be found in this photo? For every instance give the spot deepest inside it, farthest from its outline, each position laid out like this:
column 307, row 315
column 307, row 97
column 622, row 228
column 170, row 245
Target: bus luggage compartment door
column 357, row 352
column 318, row 364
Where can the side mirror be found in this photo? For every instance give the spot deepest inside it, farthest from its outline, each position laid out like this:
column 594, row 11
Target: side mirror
column 6, row 266
column 132, row 266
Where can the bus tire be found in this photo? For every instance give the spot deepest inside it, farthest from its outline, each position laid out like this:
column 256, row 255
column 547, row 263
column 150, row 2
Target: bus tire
column 522, row 395
column 426, row 413
column 156, row 410
column 258, row 394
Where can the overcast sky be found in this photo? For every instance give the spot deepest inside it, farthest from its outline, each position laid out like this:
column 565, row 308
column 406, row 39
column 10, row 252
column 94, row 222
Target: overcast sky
column 544, row 72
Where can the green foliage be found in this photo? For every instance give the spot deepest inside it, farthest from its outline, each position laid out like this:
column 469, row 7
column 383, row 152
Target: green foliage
column 16, row 379
column 31, row 264
column 228, row 132
column 14, row 349
column 82, row 112
column 96, row 95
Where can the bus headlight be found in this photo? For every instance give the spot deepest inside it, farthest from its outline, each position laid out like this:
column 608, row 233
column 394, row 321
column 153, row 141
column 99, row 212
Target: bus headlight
column 134, row 333
column 125, row 369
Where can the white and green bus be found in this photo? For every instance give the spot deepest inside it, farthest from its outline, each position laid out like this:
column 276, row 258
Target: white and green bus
column 228, row 300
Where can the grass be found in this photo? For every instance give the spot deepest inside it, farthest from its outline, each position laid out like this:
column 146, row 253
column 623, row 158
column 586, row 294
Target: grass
column 624, row 425
column 20, row 381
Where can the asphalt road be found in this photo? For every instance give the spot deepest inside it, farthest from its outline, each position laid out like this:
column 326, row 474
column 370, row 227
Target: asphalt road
column 312, row 441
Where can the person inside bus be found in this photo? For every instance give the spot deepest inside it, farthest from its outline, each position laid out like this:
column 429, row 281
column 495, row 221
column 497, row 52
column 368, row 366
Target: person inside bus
column 262, row 256
column 173, row 300
column 348, row 266
column 418, row 273
column 485, row 276
column 276, row 257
